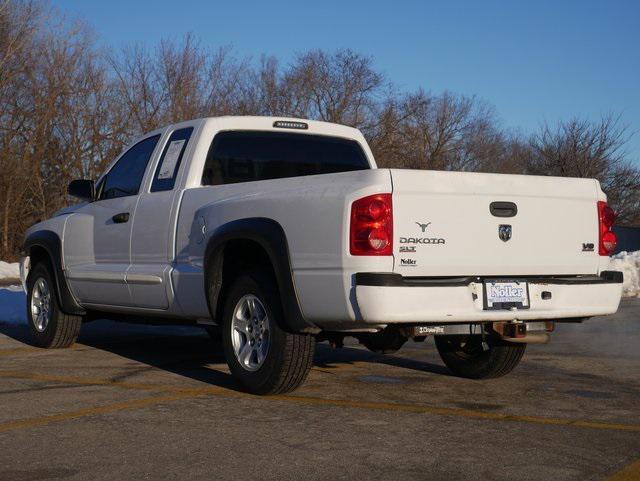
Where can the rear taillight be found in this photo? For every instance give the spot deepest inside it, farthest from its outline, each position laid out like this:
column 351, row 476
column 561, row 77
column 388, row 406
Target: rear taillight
column 371, row 230
column 608, row 239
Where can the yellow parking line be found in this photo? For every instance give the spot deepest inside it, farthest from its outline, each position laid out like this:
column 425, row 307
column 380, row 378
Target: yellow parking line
column 317, row 401
column 91, row 381
column 83, row 381
column 54, row 418
column 332, row 368
column 467, row 413
column 341, row 366
column 13, row 350
column 629, row 473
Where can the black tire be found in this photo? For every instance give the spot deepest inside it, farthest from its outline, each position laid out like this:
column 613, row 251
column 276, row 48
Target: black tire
column 62, row 329
column 465, row 356
column 289, row 356
column 386, row 341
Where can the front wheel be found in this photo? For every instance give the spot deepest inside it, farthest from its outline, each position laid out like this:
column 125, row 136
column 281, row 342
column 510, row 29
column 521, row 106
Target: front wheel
column 465, row 356
column 50, row 327
column 262, row 356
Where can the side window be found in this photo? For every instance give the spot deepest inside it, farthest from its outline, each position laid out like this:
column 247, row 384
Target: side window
column 244, row 156
column 125, row 177
column 169, row 164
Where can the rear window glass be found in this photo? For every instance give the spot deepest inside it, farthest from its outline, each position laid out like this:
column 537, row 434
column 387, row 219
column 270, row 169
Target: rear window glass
column 169, row 164
column 245, row 156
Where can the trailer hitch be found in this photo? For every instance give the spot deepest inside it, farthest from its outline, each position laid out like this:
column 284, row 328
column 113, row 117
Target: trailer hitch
column 518, row 332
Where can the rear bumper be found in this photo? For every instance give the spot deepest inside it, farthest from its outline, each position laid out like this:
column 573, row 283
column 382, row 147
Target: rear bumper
column 391, row 298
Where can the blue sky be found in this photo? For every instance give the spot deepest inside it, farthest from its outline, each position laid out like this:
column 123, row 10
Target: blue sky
column 535, row 61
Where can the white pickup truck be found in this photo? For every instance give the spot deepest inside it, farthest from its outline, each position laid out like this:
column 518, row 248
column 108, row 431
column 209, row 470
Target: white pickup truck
column 275, row 233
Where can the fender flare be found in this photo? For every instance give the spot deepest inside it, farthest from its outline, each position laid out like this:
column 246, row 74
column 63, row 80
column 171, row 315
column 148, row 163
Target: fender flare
column 50, row 242
column 270, row 235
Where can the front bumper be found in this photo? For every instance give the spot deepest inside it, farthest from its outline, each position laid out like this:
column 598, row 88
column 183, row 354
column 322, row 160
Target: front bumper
column 391, row 298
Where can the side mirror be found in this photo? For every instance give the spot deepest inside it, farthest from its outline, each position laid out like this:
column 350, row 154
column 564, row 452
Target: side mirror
column 83, row 189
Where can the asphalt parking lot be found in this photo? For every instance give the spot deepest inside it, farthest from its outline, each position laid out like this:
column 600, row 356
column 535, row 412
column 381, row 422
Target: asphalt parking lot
column 143, row 402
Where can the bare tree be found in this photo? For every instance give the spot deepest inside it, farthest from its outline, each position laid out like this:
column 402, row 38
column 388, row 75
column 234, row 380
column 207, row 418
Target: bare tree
column 442, row 132
column 19, row 24
column 579, row 148
column 179, row 72
column 54, row 121
column 141, row 95
column 68, row 108
column 582, row 148
column 339, row 87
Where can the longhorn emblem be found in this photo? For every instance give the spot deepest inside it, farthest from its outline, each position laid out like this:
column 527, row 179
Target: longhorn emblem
column 423, row 226
column 504, row 232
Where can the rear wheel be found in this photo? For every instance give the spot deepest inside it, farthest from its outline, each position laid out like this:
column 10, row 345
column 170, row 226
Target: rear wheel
column 50, row 327
column 465, row 356
column 262, row 356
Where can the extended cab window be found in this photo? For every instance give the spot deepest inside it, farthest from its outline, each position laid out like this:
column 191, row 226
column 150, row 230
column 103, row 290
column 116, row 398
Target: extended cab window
column 126, row 175
column 244, row 156
column 169, row 164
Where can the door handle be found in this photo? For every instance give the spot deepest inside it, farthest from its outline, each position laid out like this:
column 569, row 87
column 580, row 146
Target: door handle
column 120, row 218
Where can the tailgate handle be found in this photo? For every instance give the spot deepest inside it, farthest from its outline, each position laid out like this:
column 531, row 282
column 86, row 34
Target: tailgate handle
column 503, row 209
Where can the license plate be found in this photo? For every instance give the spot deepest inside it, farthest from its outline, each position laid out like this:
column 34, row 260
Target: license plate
column 499, row 294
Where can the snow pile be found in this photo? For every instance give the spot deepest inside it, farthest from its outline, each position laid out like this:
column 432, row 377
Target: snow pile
column 9, row 270
column 12, row 298
column 12, row 305
column 629, row 264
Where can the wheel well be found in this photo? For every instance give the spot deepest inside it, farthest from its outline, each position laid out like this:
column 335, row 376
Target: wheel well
column 244, row 254
column 45, row 246
column 233, row 257
column 250, row 243
column 39, row 254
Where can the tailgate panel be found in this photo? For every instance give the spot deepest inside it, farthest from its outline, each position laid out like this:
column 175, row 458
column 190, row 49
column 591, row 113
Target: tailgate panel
column 444, row 227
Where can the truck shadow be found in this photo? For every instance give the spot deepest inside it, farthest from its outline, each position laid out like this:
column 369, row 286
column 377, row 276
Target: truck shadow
column 190, row 352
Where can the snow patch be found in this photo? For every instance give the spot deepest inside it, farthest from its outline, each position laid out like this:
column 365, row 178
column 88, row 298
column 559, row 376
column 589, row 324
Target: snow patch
column 9, row 271
column 12, row 305
column 629, row 264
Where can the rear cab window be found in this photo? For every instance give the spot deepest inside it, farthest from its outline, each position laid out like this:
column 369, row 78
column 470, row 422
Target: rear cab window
column 169, row 164
column 246, row 156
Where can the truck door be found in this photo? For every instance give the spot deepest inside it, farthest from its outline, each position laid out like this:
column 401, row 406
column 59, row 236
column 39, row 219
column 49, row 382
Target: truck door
column 97, row 236
column 152, row 242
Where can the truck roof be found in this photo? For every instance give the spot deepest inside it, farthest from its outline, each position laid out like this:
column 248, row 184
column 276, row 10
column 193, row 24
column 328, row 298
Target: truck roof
column 269, row 123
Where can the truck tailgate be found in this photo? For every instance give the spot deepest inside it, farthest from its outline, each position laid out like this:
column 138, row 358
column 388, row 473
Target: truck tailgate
column 443, row 224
